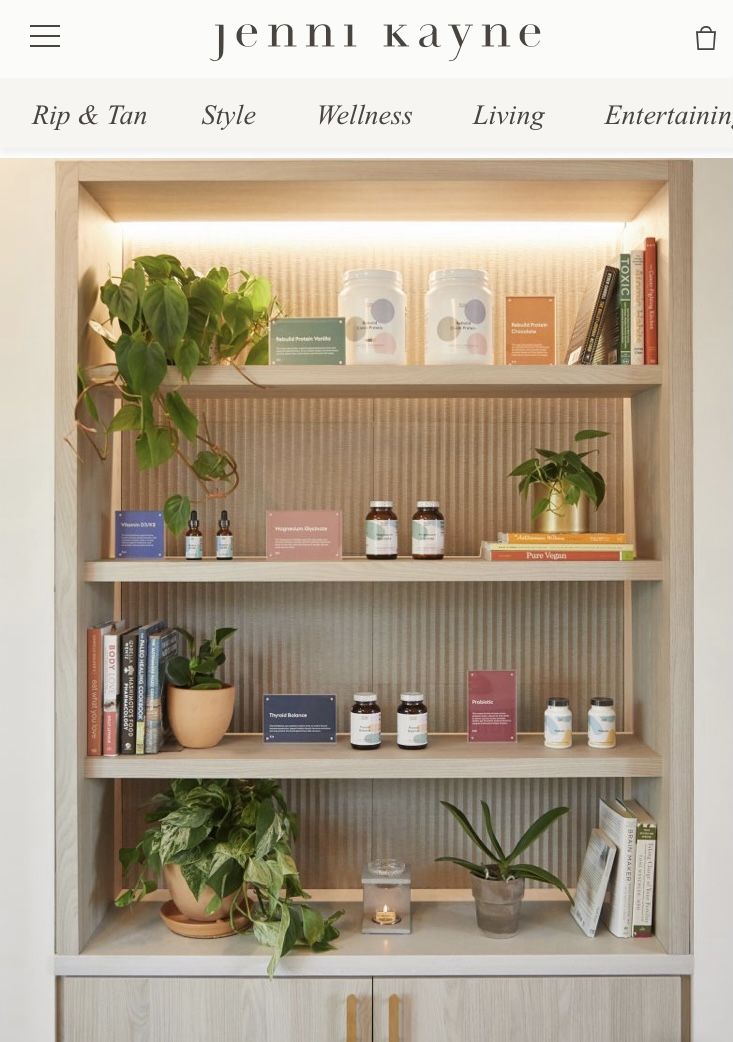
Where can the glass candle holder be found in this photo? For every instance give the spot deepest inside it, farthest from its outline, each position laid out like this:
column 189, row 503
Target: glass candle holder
column 386, row 884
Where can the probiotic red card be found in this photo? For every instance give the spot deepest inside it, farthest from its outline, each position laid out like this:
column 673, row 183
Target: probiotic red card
column 492, row 705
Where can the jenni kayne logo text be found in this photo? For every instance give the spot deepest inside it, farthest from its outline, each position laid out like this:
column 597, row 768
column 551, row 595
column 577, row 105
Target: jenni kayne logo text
column 450, row 39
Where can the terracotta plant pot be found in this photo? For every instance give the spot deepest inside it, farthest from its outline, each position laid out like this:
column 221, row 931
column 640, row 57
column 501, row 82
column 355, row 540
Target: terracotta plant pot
column 186, row 903
column 498, row 904
column 561, row 517
column 199, row 719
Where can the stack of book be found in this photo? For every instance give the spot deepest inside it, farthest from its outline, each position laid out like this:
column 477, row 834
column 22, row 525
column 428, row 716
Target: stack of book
column 616, row 881
column 559, row 546
column 126, row 687
column 617, row 317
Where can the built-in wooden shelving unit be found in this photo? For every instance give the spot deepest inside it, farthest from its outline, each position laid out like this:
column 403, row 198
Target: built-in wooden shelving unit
column 360, row 570
column 447, row 756
column 332, row 437
column 417, row 381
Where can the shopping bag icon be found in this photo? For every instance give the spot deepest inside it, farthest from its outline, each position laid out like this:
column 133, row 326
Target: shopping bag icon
column 706, row 38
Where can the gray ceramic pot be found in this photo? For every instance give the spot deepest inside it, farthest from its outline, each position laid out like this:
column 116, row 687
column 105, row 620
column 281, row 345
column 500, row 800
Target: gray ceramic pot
column 498, row 903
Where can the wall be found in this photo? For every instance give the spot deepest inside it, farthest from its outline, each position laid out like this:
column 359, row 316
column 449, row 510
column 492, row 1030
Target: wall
column 26, row 582
column 26, row 604
column 713, row 492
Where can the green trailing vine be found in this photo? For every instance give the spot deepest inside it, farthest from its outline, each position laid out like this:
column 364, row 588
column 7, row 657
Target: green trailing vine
column 235, row 838
column 170, row 317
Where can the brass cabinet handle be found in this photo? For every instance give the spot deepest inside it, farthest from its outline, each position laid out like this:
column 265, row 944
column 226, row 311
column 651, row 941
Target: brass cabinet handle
column 351, row 1010
column 394, row 1019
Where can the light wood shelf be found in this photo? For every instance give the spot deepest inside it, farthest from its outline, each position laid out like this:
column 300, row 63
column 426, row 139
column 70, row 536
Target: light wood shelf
column 445, row 941
column 360, row 570
column 447, row 756
column 416, row 381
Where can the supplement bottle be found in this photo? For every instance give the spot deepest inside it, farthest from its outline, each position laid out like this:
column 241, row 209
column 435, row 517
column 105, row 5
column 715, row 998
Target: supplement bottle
column 224, row 539
column 601, row 724
column 412, row 721
column 366, row 721
column 194, row 539
column 428, row 531
column 558, row 724
column 381, row 531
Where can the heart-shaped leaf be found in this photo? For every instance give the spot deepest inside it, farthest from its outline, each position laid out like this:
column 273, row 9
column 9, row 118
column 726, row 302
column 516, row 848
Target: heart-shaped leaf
column 185, row 420
column 128, row 418
column 166, row 312
column 176, row 512
column 146, row 365
column 121, row 300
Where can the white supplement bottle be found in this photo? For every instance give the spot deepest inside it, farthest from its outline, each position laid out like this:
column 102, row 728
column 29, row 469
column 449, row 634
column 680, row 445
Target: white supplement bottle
column 601, row 724
column 558, row 724
column 458, row 318
column 373, row 304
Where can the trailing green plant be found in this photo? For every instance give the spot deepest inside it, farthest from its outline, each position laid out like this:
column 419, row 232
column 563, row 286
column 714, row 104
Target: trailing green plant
column 564, row 473
column 170, row 317
column 196, row 670
column 234, row 837
column 499, row 865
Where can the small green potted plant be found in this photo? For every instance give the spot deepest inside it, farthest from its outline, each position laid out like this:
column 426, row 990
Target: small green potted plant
column 563, row 486
column 498, row 882
column 224, row 850
column 199, row 704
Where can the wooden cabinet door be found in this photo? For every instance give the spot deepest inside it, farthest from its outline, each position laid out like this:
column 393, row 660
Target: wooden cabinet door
column 159, row 1009
column 528, row 1009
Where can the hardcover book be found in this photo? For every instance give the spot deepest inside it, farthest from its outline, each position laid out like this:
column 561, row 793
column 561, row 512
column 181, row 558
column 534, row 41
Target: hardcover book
column 637, row 307
column 651, row 332
column 128, row 687
column 646, row 851
column 141, row 681
column 95, row 685
column 624, row 309
column 620, row 826
column 564, row 538
column 593, row 881
column 594, row 339
column 162, row 647
column 556, row 552
column 111, row 691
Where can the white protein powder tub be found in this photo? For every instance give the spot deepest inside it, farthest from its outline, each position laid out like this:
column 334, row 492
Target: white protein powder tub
column 458, row 318
column 373, row 304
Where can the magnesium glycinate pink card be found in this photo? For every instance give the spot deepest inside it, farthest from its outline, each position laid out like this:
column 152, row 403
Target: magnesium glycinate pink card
column 304, row 535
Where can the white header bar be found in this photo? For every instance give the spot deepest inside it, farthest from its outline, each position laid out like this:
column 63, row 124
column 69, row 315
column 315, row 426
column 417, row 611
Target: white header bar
column 374, row 40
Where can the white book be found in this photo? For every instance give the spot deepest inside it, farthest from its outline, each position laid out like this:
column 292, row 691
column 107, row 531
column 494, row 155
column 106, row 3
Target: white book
column 111, row 688
column 619, row 824
column 637, row 307
column 593, row 882
column 646, row 854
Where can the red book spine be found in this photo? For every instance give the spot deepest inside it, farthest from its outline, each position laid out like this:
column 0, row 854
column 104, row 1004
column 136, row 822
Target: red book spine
column 651, row 329
column 94, row 692
column 552, row 554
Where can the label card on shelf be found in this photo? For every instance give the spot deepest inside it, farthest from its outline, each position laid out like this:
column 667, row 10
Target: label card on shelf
column 307, row 341
column 299, row 718
column 492, row 705
column 530, row 330
column 304, row 535
column 139, row 534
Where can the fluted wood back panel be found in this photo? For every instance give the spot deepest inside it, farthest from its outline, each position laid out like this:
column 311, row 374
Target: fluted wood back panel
column 562, row 638
column 343, row 824
column 305, row 261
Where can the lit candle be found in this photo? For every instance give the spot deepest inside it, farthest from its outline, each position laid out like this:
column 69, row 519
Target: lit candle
column 387, row 917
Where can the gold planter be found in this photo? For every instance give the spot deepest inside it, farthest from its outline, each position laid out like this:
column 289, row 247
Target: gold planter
column 561, row 516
